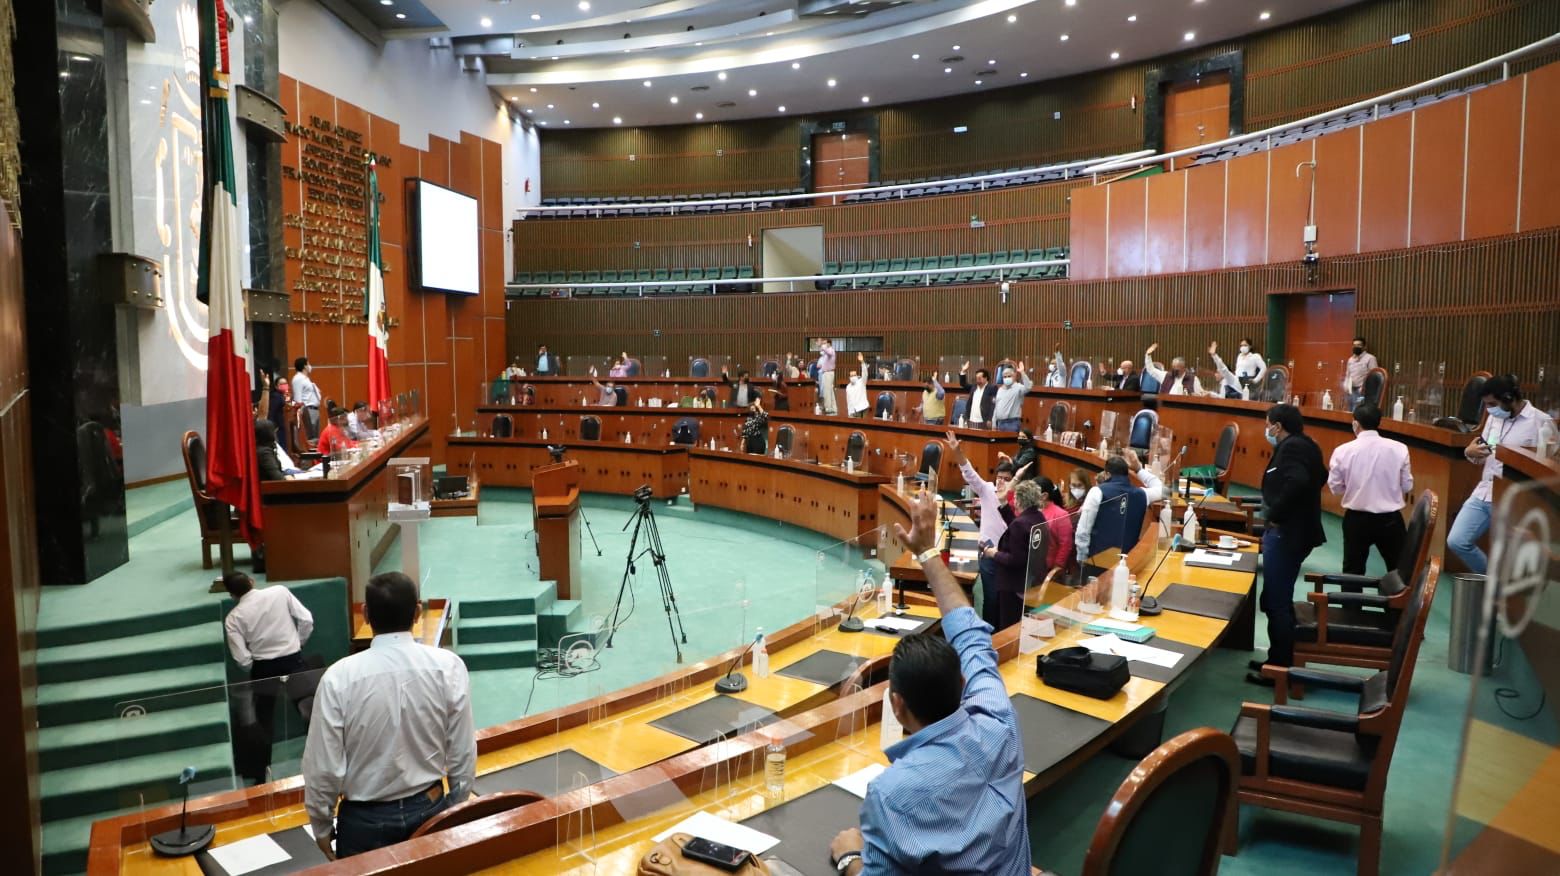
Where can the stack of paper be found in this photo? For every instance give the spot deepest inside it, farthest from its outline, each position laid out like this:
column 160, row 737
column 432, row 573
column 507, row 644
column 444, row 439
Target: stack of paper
column 249, row 855
column 719, row 830
column 899, row 624
column 1109, row 644
column 856, row 782
column 1201, row 555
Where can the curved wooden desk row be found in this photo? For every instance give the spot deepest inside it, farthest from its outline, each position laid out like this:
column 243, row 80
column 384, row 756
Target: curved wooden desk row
column 337, row 526
column 817, row 497
column 604, row 467
column 891, row 446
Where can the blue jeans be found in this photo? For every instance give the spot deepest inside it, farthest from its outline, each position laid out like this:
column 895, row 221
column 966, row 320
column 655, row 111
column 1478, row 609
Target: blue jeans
column 1282, row 556
column 363, row 827
column 1010, row 425
column 933, row 421
column 1467, row 528
column 989, row 612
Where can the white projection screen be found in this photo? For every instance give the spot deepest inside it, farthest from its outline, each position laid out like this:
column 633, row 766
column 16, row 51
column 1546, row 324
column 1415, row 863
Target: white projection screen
column 445, row 228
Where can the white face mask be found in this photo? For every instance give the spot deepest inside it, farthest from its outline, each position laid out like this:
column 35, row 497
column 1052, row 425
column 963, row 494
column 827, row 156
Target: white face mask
column 1244, row 349
column 1008, row 381
column 1122, row 371
column 1079, row 492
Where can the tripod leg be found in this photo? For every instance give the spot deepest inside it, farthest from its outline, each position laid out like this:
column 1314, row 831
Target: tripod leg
column 591, row 532
column 628, row 570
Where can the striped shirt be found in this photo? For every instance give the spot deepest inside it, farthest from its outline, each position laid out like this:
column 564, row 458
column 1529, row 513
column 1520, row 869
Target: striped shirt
column 953, row 801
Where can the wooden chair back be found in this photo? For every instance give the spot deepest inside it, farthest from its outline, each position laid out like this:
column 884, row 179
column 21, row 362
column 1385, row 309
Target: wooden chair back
column 477, row 808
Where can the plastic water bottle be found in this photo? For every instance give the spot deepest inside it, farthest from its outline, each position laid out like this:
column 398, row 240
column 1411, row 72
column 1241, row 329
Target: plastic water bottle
column 899, row 483
column 774, row 767
column 760, row 655
column 817, row 410
column 1327, row 402
column 850, row 465
column 885, row 598
column 544, row 433
column 1049, row 435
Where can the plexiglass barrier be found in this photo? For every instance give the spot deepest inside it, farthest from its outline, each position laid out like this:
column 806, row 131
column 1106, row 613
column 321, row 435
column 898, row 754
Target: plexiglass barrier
column 1506, row 632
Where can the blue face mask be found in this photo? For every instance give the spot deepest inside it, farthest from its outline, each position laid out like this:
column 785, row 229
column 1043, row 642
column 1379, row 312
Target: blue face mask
column 1499, row 413
column 1271, row 438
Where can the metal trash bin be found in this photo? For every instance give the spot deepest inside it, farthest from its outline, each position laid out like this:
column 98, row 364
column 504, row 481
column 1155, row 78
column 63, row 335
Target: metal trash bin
column 1469, row 592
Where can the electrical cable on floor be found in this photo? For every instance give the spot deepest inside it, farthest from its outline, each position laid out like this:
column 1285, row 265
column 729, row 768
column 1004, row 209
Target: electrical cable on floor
column 1502, row 694
column 551, row 663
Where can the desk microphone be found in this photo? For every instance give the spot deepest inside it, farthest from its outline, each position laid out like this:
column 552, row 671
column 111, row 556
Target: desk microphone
column 851, row 623
column 734, row 681
column 186, row 840
column 1149, row 605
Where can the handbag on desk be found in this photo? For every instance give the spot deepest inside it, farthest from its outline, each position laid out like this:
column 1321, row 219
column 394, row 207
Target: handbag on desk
column 666, row 859
column 1082, row 671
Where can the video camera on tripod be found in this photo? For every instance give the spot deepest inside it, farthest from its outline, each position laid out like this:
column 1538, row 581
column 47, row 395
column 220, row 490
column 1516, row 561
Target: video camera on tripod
column 643, row 521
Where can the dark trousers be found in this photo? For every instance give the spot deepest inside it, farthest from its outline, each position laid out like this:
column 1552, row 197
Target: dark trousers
column 252, row 742
column 1010, row 608
column 990, row 598
column 1363, row 530
column 1282, row 556
column 363, row 827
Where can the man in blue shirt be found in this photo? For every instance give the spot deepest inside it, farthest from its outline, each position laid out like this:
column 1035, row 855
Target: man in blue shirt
column 953, row 800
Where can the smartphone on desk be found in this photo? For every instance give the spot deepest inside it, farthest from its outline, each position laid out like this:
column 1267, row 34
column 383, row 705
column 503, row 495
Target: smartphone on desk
column 715, row 854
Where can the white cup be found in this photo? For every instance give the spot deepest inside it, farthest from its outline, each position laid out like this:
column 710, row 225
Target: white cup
column 1228, row 541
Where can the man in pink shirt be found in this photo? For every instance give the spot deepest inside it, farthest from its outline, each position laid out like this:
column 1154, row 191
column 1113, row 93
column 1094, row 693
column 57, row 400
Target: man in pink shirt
column 1371, row 473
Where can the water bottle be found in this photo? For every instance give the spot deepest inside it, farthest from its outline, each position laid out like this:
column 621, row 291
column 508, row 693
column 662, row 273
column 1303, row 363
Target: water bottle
column 544, row 433
column 774, row 767
column 817, row 410
column 885, row 598
column 1049, row 435
column 1327, row 402
column 1120, row 585
column 899, row 483
column 760, row 656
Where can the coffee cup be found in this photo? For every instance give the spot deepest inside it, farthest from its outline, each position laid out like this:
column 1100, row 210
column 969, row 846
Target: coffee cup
column 1228, row 541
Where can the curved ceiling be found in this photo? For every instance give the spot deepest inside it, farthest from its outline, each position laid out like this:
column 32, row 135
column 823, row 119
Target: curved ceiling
column 567, row 63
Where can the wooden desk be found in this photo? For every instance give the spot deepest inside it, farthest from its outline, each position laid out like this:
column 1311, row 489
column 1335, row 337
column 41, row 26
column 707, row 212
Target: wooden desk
column 817, row 497
column 604, row 468
column 337, row 526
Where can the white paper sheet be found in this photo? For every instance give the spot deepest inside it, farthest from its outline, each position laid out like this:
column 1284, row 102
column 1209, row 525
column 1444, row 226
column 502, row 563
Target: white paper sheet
column 1203, row 556
column 902, row 624
column 1070, row 614
column 249, row 855
column 719, row 830
column 856, row 782
column 1109, row 644
column 1109, row 624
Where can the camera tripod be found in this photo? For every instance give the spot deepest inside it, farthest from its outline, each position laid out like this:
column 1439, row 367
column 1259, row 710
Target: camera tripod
column 644, row 522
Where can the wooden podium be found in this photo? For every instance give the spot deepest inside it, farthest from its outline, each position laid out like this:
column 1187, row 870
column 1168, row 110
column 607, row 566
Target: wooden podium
column 555, row 495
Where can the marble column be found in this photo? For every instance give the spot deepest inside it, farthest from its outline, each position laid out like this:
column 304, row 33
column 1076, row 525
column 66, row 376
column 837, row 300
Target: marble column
column 72, row 352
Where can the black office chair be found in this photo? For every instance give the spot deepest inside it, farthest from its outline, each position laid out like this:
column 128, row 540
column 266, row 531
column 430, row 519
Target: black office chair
column 904, row 369
column 1217, row 475
column 856, row 448
column 1080, row 375
column 769, row 367
column 785, row 438
column 1149, row 385
column 503, row 426
column 633, row 368
column 1140, row 437
column 699, row 367
column 1374, row 389
column 686, row 431
column 590, row 428
column 622, row 395
column 1061, row 417
column 961, row 407
column 884, row 406
column 1470, row 410
column 1275, row 385
column 931, row 460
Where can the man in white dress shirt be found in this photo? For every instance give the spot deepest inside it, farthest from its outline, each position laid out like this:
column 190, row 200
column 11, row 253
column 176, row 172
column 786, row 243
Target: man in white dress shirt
column 266, row 631
column 305, row 393
column 390, row 724
column 1176, row 380
column 1511, row 421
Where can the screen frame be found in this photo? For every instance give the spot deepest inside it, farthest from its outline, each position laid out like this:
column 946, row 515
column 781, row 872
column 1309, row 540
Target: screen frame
column 414, row 237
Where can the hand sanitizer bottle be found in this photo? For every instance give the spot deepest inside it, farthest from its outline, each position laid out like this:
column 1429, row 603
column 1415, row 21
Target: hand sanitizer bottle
column 760, row 655
column 1189, row 531
column 1327, row 402
column 1120, row 585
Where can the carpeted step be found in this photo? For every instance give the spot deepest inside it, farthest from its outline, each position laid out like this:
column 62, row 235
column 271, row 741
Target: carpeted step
column 117, row 628
column 159, row 690
column 162, row 649
column 65, row 842
column 508, row 628
column 560, row 619
column 528, row 597
column 111, row 739
column 498, row 655
column 149, row 778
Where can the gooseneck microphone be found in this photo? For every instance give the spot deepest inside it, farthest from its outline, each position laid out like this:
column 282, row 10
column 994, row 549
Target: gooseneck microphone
column 186, row 840
column 734, row 681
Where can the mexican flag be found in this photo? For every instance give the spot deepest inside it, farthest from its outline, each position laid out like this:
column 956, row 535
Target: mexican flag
column 231, row 469
column 374, row 303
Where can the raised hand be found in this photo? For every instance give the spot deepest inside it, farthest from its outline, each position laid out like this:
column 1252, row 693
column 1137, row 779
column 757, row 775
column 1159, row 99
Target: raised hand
column 953, row 441
column 965, row 367
column 923, row 524
column 1021, row 368
column 1152, row 347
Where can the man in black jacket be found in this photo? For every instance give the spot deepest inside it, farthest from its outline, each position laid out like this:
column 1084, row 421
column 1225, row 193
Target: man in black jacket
column 983, row 397
column 1292, row 507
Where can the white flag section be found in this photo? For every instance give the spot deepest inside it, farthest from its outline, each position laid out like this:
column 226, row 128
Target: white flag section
column 375, row 314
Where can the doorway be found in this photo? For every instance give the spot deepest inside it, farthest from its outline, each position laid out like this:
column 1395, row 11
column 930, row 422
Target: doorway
column 1317, row 330
column 1197, row 111
column 839, row 162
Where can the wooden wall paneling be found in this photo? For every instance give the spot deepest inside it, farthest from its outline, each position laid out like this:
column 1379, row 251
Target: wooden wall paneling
column 492, row 184
column 1338, row 192
column 1167, row 217
column 1387, row 145
column 466, row 167
column 1246, row 205
column 1436, row 206
column 1205, row 216
column 1289, row 197
column 1540, row 206
column 435, row 165
column 1088, row 231
column 1494, row 150
column 1126, row 250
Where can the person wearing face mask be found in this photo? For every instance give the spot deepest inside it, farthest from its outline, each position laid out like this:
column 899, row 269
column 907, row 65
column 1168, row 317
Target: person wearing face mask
column 982, row 399
column 1111, row 515
column 1249, row 369
column 1512, row 421
column 1008, row 411
column 1372, row 475
column 1056, row 373
column 755, row 429
column 1078, row 482
column 856, row 404
column 933, row 408
column 995, row 515
column 1355, row 368
column 606, row 393
column 1292, row 507
column 1177, row 380
column 1127, row 377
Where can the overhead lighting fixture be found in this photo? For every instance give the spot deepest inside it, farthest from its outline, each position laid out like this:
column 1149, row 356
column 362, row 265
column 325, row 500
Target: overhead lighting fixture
column 752, row 92
column 617, row 120
column 512, row 99
column 980, row 82
column 1265, row 16
column 529, row 111
column 947, row 69
column 916, row 56
column 550, row 106
column 401, row 15
column 595, row 105
column 536, row 16
column 1190, row 35
column 832, row 83
column 1063, row 37
column 992, row 62
column 1012, row 19
column 960, row 129
column 698, row 115
column 865, row 99
column 1023, row 75
column 533, row 89
column 796, row 65
column 386, row 2
column 584, row 5
column 781, row 107
column 721, row 75
column 647, row 83
column 955, row 48
column 1115, row 55
column 543, row 122
column 1072, row 2
column 1132, row 18
column 486, row 22
column 566, row 121
column 674, row 98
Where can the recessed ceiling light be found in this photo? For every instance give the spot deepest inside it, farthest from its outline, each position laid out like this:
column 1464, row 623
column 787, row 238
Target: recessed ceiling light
column 1132, row 17
column 555, row 57
column 721, row 75
column 145, row 101
column 80, row 58
column 781, row 107
column 514, row 99
column 1063, row 37
column 674, row 98
column 832, row 83
column 543, row 122
column 769, row 33
column 1072, row 2
column 1115, row 55
column 533, row 89
column 752, row 92
column 955, row 48
column 865, row 99
column 992, row 62
column 486, row 22
column 947, row 69
column 796, row 65
column 536, row 16
column 386, row 2
column 698, row 115
column 401, row 15
column 566, row 121
column 1265, row 16
column 916, row 56
column 1023, row 75
column 595, row 105
column 1012, row 18
column 550, row 106
column 979, row 82
column 617, row 120
column 1190, row 35
column 584, row 5
column 530, row 111
column 647, row 83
